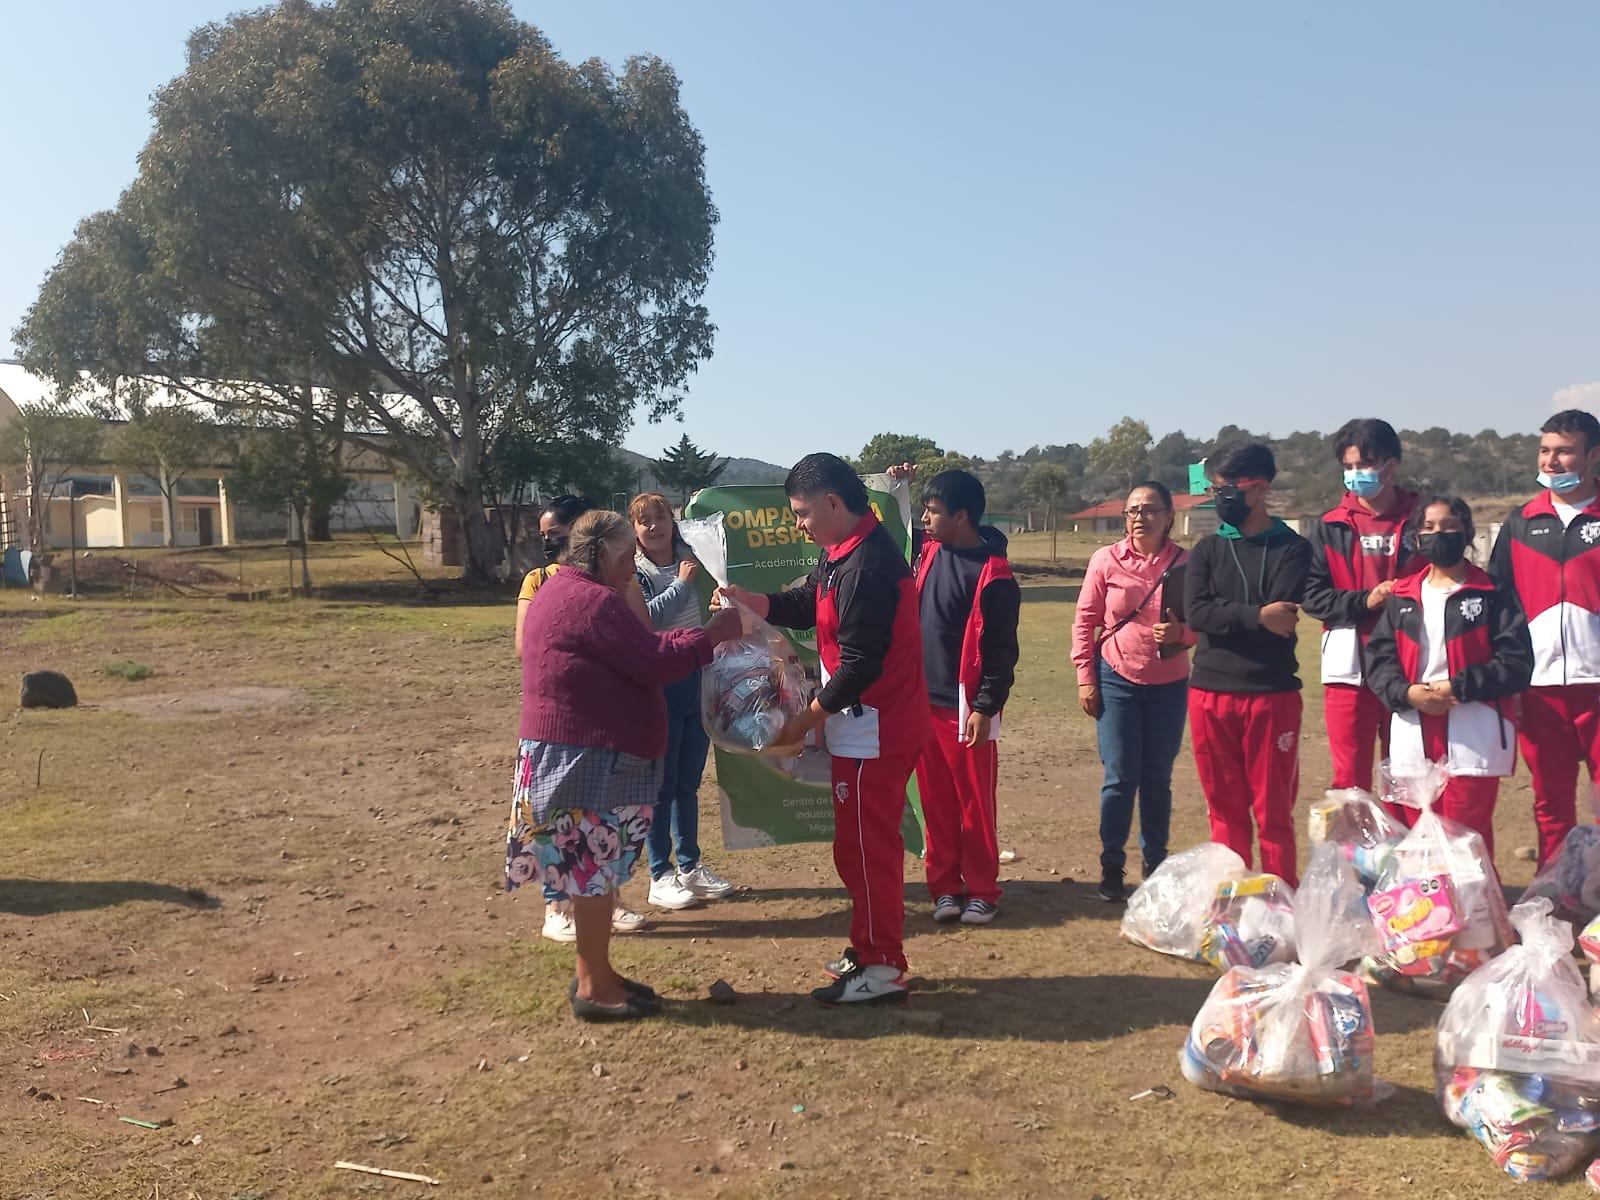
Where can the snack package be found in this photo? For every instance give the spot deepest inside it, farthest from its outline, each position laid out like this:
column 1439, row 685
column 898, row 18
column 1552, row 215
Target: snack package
column 1571, row 880
column 1364, row 831
column 1437, row 903
column 1303, row 1031
column 1517, row 1056
column 754, row 683
column 1251, row 923
column 1169, row 911
column 1589, row 944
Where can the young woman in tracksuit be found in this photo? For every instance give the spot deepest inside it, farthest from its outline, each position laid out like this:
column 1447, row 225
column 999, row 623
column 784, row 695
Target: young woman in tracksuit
column 873, row 709
column 1448, row 654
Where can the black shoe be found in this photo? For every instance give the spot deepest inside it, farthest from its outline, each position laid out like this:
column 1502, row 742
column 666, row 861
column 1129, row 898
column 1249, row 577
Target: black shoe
column 1112, row 890
column 634, row 988
column 863, row 985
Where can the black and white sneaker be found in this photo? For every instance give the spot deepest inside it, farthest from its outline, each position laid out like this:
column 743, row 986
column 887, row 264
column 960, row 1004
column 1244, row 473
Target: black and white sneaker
column 843, row 965
column 864, row 985
column 947, row 909
column 978, row 912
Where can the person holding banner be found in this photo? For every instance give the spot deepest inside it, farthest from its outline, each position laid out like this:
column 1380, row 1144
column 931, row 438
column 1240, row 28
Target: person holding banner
column 872, row 708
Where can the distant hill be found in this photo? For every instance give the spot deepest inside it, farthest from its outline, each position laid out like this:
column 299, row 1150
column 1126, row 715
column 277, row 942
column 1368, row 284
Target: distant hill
column 740, row 470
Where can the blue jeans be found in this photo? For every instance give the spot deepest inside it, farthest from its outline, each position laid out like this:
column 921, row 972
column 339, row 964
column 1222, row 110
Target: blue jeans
column 1140, row 731
column 678, row 805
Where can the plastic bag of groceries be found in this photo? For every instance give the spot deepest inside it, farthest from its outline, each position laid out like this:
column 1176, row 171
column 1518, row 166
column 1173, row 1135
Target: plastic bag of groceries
column 1437, row 903
column 754, row 683
column 1364, row 831
column 1296, row 1031
column 1251, row 923
column 1517, row 1056
column 1168, row 911
column 1571, row 880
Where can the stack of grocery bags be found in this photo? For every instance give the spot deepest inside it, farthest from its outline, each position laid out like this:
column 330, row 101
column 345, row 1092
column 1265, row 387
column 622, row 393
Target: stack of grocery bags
column 1409, row 902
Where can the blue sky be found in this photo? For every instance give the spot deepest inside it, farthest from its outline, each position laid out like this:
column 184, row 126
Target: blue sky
column 1011, row 224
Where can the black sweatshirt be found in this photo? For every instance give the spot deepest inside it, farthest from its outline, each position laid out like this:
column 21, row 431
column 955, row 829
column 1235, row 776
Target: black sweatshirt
column 947, row 598
column 1228, row 582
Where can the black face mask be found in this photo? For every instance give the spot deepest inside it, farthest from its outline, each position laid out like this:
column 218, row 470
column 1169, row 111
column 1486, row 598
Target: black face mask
column 1232, row 507
column 1442, row 549
column 553, row 548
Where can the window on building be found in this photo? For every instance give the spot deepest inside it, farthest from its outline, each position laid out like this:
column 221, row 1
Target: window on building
column 188, row 519
column 158, row 522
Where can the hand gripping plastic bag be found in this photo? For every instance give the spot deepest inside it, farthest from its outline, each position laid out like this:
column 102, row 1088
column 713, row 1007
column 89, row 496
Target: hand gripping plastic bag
column 1437, row 904
column 754, row 683
column 1353, row 820
column 1517, row 1055
column 1571, row 880
column 1168, row 912
column 1300, row 1032
column 1251, row 923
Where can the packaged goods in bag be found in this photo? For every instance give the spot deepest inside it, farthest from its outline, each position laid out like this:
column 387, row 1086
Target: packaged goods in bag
column 1251, row 923
column 754, row 683
column 1296, row 1031
column 1364, row 831
column 1571, row 880
column 1436, row 905
column 1168, row 911
column 1517, row 1055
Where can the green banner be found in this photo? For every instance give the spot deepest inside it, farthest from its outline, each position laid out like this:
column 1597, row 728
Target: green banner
column 767, row 802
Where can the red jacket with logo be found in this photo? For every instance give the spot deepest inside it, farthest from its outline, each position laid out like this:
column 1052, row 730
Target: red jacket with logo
column 862, row 599
column 1555, row 570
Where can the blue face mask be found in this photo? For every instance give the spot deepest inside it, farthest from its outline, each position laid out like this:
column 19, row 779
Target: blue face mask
column 1363, row 483
column 1563, row 482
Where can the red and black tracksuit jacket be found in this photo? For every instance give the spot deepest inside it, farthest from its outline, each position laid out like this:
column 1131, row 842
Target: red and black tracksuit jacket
column 1486, row 646
column 978, row 674
column 862, row 599
column 1555, row 571
column 1353, row 550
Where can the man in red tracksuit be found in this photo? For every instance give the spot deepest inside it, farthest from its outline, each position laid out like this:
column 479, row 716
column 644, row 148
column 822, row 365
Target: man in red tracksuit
column 1242, row 595
column 969, row 605
column 1357, row 554
column 873, row 709
column 1549, row 550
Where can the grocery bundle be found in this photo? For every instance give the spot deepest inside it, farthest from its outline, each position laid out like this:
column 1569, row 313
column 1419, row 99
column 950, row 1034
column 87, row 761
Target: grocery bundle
column 1296, row 1031
column 1436, row 904
column 1571, row 880
column 1170, row 911
column 1362, row 829
column 1251, row 923
column 1517, row 1057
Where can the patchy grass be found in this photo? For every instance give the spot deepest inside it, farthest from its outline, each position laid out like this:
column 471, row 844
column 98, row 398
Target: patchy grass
column 128, row 671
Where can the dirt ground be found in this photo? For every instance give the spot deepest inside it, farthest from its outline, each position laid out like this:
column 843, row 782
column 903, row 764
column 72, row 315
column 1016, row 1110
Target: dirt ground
column 275, row 930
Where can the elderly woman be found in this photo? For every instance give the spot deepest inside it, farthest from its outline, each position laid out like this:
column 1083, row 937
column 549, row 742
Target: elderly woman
column 594, row 730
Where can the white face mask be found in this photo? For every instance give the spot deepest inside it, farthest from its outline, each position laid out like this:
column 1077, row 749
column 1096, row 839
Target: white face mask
column 1567, row 481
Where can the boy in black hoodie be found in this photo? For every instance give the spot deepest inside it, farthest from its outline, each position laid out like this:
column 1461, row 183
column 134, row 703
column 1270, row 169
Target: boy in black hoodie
column 1242, row 595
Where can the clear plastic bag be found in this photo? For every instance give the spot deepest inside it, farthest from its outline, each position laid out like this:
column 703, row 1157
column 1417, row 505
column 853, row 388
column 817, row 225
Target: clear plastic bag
column 754, row 683
column 1571, row 880
column 1251, row 923
column 1169, row 911
column 1437, row 904
column 1364, row 831
column 1303, row 1031
column 1517, row 1055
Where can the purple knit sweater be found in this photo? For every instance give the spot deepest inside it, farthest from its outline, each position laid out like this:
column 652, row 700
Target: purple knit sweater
column 592, row 673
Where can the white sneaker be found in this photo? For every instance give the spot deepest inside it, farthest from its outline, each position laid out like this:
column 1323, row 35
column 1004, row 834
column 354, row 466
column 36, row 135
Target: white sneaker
column 864, row 985
column 947, row 909
column 625, row 920
column 558, row 926
column 668, row 893
column 704, row 883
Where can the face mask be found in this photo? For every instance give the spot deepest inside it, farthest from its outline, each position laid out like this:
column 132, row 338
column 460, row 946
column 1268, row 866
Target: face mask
column 1232, row 506
column 1363, row 483
column 1563, row 482
column 553, row 548
column 1442, row 549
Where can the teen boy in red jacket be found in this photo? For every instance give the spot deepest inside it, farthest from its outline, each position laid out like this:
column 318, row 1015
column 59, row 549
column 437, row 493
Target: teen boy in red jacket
column 1357, row 554
column 873, row 709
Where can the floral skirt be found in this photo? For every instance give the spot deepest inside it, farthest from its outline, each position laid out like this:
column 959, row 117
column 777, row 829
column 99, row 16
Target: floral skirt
column 579, row 818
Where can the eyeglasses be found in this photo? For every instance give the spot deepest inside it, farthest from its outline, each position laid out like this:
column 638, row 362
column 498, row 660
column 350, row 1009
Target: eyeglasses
column 1145, row 510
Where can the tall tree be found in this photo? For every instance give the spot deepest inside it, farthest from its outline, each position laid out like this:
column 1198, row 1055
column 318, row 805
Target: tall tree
column 887, row 450
column 165, row 444
column 686, row 468
column 1123, row 454
column 424, row 205
column 1048, row 486
column 278, row 467
column 45, row 440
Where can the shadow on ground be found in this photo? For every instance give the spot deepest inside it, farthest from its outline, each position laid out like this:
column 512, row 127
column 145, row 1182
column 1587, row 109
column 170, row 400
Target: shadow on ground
column 41, row 897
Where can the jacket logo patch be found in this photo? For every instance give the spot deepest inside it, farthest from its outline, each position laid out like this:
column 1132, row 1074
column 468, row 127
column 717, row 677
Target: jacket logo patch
column 1378, row 543
column 841, row 792
column 1472, row 608
column 1286, row 741
column 1539, row 531
column 1590, row 533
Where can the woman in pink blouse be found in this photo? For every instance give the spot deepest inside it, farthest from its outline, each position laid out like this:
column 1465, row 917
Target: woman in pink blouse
column 1133, row 678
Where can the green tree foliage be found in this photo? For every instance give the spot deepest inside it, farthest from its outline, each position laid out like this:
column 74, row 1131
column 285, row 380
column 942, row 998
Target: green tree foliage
column 45, row 440
column 280, row 467
column 891, row 449
column 685, row 468
column 423, row 206
column 165, row 444
column 1122, row 456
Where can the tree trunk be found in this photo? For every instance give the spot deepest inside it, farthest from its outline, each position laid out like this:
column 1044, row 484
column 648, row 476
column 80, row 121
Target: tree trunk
column 169, row 511
column 319, row 523
column 482, row 541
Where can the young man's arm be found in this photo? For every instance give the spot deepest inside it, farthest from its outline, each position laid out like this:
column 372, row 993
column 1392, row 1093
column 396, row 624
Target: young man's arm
column 796, row 608
column 1324, row 601
column 1205, row 608
column 867, row 601
column 1001, row 605
column 1286, row 581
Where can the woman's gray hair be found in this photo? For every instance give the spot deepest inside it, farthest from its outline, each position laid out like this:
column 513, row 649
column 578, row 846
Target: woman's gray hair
column 592, row 533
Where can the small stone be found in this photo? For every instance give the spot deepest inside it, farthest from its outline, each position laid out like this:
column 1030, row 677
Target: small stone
column 486, row 1178
column 230, row 1031
column 739, row 1064
column 599, row 1071
column 926, row 1169
column 1526, row 854
column 264, row 975
column 721, row 992
column 786, row 1165
column 713, row 1169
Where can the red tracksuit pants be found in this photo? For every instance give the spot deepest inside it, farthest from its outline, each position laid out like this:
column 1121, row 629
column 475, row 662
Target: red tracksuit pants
column 1467, row 799
column 957, row 786
column 1356, row 719
column 869, row 802
column 1560, row 731
column 1247, row 753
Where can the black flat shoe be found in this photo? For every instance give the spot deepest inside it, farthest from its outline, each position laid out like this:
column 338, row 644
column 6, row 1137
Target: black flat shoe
column 634, row 1008
column 635, row 989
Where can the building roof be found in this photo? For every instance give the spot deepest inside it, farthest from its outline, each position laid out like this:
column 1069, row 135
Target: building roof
column 1113, row 508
